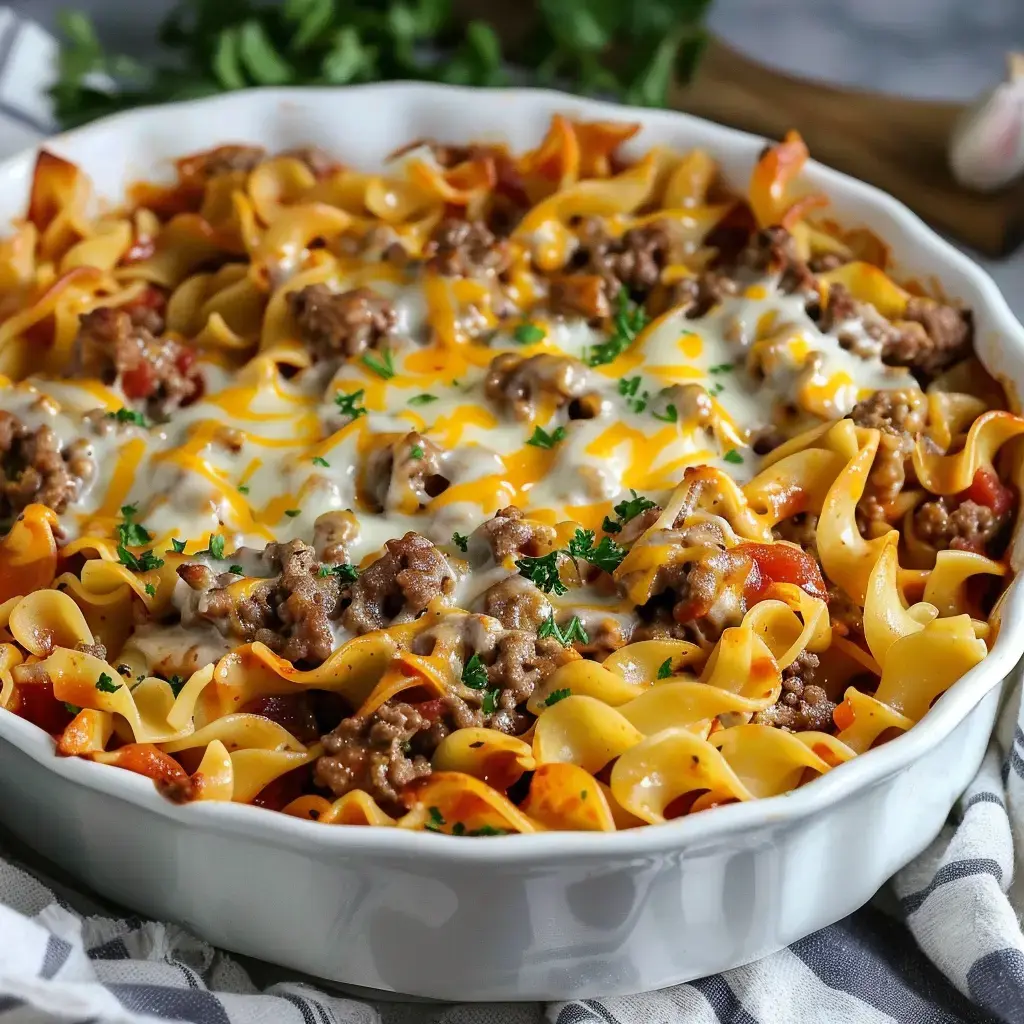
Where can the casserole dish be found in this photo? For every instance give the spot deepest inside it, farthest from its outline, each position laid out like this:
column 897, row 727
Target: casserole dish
column 546, row 916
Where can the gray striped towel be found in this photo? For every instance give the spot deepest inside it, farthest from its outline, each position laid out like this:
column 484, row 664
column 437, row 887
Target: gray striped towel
column 942, row 945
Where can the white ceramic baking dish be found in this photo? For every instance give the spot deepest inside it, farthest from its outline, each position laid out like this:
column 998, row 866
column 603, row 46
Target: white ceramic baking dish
column 546, row 916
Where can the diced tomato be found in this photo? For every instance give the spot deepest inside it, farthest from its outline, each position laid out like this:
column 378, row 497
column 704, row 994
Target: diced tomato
column 291, row 711
column 987, row 489
column 283, row 790
column 37, row 704
column 184, row 360
column 781, row 563
column 139, row 382
column 431, row 710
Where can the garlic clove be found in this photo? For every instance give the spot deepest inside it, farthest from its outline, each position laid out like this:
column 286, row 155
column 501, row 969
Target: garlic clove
column 986, row 150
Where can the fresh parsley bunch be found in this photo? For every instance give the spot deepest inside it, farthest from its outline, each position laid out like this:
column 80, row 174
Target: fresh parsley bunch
column 612, row 47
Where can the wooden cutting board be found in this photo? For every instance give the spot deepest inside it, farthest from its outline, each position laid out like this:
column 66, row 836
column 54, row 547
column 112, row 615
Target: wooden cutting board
column 894, row 143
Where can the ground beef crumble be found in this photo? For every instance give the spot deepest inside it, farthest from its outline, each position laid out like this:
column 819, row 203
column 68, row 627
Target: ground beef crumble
column 522, row 386
column 465, row 248
column 510, row 535
column 962, row 526
column 802, row 705
column 333, row 324
column 34, row 467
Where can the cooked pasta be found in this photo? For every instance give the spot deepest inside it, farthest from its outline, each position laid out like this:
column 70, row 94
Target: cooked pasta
column 485, row 493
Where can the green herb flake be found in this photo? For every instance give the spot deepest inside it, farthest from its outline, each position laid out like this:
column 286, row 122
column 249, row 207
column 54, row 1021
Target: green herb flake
column 177, row 684
column 670, row 415
column 461, row 541
column 348, row 404
column 542, row 572
column 722, row 368
column 71, row 709
column 632, row 507
column 416, row 452
column 344, row 571
column 243, row 488
column 291, row 513
column 583, row 794
column 665, row 669
column 105, row 684
column 236, row 569
column 629, row 320
column 490, row 702
column 555, row 696
column 128, row 416
column 572, row 633
column 217, row 546
column 422, row 399
column 319, row 460
column 528, row 334
column 178, row 546
column 436, row 820
column 150, row 590
column 381, row 365
column 733, row 456
column 487, row 830
column 542, row 439
column 474, row 673
column 607, row 555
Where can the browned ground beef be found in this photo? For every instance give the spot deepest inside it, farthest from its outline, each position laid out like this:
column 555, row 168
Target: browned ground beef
column 802, row 705
column 119, row 344
column 291, row 613
column 341, row 323
column 898, row 411
column 333, row 534
column 97, row 650
column 963, row 526
column 701, row 293
column 398, row 585
column 510, row 535
column 465, row 248
column 221, row 160
column 520, row 385
column 34, row 467
column 409, row 468
column 516, row 603
column 773, row 251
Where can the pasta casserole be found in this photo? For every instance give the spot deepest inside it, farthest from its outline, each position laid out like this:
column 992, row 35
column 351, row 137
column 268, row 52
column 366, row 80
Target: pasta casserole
column 487, row 493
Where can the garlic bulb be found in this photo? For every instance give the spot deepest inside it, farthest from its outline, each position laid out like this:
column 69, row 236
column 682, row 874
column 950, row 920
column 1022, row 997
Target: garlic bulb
column 986, row 151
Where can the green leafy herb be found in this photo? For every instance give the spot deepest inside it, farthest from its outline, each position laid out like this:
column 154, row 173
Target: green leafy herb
column 607, row 555
column 474, row 673
column 628, row 388
column 243, row 488
column 670, row 415
column 349, row 403
column 236, row 569
column 150, row 590
column 128, row 416
column 138, row 563
column 129, row 532
column 217, row 546
column 177, row 684
column 291, row 513
column 626, row 51
column 566, row 637
column 106, row 684
column 490, row 702
column 733, row 456
column 632, row 507
column 416, row 452
column 542, row 572
column 319, row 460
column 460, row 541
column 487, row 830
column 716, row 389
column 722, row 368
column 629, row 320
column 345, row 571
column 382, row 365
column 178, row 546
column 436, row 820
column 422, row 399
column 555, row 696
column 665, row 669
column 542, row 439
column 583, row 794
column 528, row 334
column 71, row 709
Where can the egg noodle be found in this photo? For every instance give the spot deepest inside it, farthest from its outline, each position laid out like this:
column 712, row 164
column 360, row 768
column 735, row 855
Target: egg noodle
column 489, row 493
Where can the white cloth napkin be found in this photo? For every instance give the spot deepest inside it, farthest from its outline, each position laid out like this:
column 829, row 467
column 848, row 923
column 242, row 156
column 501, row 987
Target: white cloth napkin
column 943, row 947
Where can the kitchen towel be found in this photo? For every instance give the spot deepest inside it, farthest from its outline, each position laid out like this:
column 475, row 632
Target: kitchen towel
column 942, row 945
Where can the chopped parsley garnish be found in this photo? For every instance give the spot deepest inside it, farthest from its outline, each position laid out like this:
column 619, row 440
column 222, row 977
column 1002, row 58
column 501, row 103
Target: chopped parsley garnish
column 555, row 696
column 422, row 399
column 178, row 546
column 542, row 439
column 490, row 701
column 236, row 569
column 487, row 830
column 733, row 456
column 665, row 669
column 128, row 416
column 382, row 365
column 474, row 674
column 629, row 320
column 138, row 563
column 670, row 415
column 217, row 546
column 131, row 533
column 583, row 794
column 243, row 488
column 573, row 632
column 291, row 513
column 718, row 388
column 319, row 460
column 632, row 507
column 461, row 541
column 722, row 368
column 436, row 820
column 580, row 543
column 607, row 555
column 345, row 571
column 416, row 452
column 528, row 334
column 542, row 572
column 349, row 403
column 150, row 590
column 177, row 684
column 71, row 709
column 628, row 388
column 105, row 684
